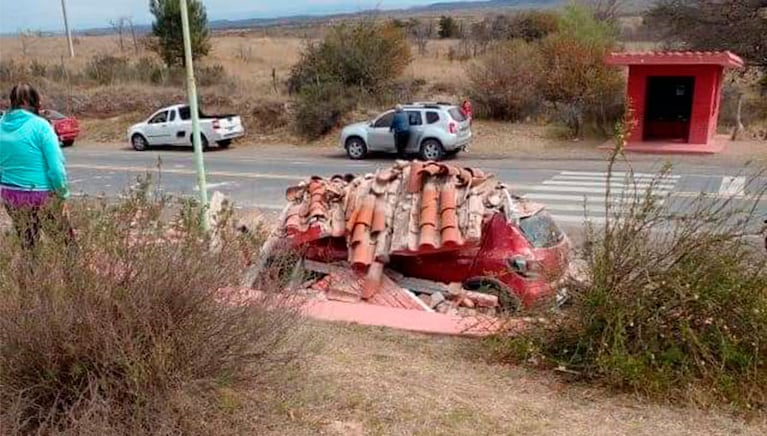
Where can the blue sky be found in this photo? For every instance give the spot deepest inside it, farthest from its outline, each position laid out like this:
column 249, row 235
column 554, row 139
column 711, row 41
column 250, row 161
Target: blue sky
column 46, row 14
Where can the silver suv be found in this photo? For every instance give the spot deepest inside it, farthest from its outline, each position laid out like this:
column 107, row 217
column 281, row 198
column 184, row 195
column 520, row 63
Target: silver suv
column 436, row 130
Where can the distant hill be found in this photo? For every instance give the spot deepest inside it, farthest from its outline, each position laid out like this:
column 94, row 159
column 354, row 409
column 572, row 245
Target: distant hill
column 434, row 8
column 441, row 7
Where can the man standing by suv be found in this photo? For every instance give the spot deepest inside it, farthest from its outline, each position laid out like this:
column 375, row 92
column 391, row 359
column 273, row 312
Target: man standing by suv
column 401, row 127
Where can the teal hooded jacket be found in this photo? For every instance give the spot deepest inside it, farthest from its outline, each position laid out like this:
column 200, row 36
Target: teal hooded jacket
column 30, row 156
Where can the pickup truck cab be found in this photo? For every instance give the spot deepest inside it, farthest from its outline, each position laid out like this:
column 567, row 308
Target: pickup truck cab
column 173, row 126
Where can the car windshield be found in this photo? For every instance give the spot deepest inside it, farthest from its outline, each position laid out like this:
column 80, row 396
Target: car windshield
column 541, row 230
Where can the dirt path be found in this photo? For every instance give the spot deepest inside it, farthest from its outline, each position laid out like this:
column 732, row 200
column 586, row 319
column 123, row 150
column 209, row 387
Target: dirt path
column 375, row 381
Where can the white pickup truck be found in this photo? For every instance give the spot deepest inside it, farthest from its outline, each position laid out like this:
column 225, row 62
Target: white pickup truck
column 173, row 126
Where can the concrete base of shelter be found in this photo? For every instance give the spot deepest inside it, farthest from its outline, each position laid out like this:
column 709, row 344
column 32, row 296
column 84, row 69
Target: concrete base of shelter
column 716, row 145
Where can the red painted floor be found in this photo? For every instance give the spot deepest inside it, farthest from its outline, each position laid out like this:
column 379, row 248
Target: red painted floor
column 672, row 147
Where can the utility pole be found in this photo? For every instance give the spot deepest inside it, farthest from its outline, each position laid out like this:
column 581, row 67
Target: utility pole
column 66, row 27
column 191, row 90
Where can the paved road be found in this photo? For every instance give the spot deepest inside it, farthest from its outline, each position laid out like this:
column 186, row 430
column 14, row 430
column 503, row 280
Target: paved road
column 257, row 177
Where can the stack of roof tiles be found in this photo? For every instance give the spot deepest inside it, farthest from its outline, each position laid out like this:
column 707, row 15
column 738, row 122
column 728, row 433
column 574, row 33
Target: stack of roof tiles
column 409, row 208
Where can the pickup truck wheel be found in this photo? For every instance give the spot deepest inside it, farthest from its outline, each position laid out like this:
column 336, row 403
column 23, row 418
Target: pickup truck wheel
column 68, row 143
column 431, row 149
column 225, row 143
column 203, row 142
column 356, row 148
column 509, row 301
column 139, row 142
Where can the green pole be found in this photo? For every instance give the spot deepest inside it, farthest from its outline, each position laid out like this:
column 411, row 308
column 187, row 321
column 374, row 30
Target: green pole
column 192, row 96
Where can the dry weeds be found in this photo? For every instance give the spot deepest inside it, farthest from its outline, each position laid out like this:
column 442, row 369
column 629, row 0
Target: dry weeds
column 376, row 381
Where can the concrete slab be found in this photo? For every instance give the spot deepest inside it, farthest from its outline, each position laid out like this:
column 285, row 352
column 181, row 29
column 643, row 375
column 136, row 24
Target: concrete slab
column 716, row 145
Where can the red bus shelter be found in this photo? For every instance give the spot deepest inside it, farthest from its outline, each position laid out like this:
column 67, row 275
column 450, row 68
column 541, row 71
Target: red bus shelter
column 675, row 96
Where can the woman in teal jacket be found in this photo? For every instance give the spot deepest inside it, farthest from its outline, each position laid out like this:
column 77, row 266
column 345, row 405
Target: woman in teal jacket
column 33, row 178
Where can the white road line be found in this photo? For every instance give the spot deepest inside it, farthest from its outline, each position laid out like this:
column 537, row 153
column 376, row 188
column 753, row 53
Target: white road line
column 613, row 179
column 732, row 186
column 585, row 190
column 615, row 174
column 187, row 172
column 577, row 219
column 215, row 185
column 580, row 207
column 641, row 185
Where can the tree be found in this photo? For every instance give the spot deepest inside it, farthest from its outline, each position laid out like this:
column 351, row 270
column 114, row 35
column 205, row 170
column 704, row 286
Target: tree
column 118, row 25
column 736, row 25
column 605, row 10
column 448, row 27
column 578, row 82
column 420, row 32
column 169, row 43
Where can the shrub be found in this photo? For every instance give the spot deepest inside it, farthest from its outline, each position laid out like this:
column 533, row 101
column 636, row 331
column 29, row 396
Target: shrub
column 108, row 69
column 270, row 115
column 122, row 338
column 319, row 108
column 504, row 88
column 672, row 304
column 577, row 81
column 364, row 55
column 210, row 75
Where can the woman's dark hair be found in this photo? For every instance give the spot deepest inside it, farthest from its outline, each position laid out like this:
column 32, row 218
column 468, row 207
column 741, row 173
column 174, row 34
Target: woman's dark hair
column 24, row 95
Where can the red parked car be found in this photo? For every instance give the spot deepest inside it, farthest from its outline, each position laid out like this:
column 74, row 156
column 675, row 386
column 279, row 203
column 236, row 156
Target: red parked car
column 67, row 128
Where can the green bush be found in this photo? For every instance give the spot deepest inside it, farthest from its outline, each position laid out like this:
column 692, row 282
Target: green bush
column 319, row 108
column 562, row 69
column 671, row 304
column 504, row 88
column 353, row 63
column 129, row 335
column 364, row 55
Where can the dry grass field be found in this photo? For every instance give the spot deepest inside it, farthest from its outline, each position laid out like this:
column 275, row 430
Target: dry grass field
column 373, row 381
column 256, row 66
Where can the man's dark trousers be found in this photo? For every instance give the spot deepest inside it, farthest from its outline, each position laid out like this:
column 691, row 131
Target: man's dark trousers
column 400, row 141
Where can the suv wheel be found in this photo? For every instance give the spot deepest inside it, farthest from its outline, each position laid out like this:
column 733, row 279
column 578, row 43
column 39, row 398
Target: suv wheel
column 431, row 149
column 356, row 148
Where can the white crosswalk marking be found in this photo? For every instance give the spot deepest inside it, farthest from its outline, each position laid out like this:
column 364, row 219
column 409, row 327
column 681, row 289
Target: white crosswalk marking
column 569, row 195
column 732, row 186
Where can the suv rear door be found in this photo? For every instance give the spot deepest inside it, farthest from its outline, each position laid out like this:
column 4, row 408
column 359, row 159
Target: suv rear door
column 379, row 136
column 464, row 125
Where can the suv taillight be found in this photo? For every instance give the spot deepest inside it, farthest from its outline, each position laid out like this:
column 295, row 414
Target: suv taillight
column 216, row 124
column 452, row 128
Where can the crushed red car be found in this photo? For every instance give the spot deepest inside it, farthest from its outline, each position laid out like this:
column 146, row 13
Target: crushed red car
column 67, row 128
column 430, row 221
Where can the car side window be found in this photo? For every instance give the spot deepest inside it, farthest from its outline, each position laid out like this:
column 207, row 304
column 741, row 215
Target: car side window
column 185, row 113
column 415, row 118
column 385, row 120
column 432, row 117
column 159, row 118
column 172, row 116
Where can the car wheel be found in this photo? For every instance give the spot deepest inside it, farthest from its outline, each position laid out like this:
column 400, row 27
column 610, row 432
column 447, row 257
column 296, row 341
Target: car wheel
column 139, row 142
column 225, row 143
column 68, row 143
column 203, row 142
column 509, row 301
column 356, row 148
column 431, row 149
